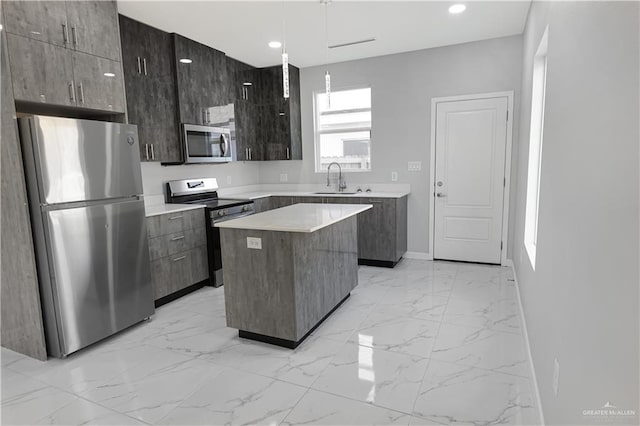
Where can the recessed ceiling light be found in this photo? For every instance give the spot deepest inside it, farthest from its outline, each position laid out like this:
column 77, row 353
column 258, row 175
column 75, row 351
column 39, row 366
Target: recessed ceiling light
column 275, row 44
column 185, row 61
column 457, row 8
column 109, row 74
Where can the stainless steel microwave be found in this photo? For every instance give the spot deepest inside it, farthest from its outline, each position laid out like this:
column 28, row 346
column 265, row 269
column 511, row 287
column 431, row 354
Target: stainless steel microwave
column 205, row 144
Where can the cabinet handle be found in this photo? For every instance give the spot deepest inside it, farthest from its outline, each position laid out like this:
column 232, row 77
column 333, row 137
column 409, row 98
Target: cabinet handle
column 153, row 153
column 65, row 33
column 180, row 216
column 177, row 238
column 179, row 258
column 72, row 92
column 144, row 65
column 139, row 65
column 288, row 155
column 250, row 154
column 74, row 34
column 81, row 93
column 146, row 151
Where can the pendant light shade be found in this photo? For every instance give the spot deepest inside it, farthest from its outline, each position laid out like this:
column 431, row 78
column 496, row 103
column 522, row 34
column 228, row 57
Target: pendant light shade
column 327, row 75
column 285, row 57
column 285, row 74
column 327, row 88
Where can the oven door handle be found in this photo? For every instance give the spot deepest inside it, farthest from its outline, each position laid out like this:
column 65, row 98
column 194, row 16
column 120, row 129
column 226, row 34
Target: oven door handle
column 236, row 216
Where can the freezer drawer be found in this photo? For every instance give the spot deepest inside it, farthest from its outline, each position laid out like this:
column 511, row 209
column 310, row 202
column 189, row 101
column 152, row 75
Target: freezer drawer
column 100, row 274
column 82, row 160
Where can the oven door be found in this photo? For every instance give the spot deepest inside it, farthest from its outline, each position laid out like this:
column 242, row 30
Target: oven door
column 204, row 144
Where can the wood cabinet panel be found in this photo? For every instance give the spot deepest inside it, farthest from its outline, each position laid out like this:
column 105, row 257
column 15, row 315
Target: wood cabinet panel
column 202, row 83
column 151, row 91
column 94, row 28
column 22, row 326
column 166, row 245
column 41, row 72
column 99, row 83
column 38, row 20
column 175, row 222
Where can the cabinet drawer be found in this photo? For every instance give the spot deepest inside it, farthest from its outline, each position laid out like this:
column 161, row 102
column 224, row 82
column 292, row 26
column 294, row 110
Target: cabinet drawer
column 175, row 222
column 178, row 271
column 166, row 245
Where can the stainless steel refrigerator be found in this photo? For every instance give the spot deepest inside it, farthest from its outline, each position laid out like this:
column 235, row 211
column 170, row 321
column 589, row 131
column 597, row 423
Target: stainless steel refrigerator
column 87, row 211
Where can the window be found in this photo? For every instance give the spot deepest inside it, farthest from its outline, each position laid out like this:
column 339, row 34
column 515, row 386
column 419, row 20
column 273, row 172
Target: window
column 535, row 148
column 343, row 131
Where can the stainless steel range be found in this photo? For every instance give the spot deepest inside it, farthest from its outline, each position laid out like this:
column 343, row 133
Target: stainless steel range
column 205, row 191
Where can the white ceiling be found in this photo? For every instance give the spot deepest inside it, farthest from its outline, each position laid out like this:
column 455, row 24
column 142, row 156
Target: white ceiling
column 242, row 29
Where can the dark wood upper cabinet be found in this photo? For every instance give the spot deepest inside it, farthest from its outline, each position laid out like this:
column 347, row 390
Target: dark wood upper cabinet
column 202, row 79
column 280, row 117
column 94, row 28
column 147, row 60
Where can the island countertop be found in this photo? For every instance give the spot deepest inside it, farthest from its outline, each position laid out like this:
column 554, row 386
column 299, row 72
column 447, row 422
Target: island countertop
column 297, row 218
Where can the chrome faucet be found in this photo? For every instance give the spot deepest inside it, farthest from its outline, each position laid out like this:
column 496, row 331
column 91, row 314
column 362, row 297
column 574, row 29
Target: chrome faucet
column 342, row 185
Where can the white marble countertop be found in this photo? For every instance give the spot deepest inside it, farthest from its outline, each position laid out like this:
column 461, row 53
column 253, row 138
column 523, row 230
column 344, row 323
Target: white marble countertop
column 297, row 218
column 254, row 195
column 158, row 209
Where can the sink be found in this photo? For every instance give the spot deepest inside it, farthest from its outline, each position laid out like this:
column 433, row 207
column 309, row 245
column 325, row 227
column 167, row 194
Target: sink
column 336, row 193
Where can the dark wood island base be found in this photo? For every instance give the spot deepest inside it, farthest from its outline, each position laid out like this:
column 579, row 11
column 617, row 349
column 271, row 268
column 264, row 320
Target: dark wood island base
column 290, row 344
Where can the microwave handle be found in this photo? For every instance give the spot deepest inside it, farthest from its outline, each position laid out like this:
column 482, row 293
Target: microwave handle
column 223, row 144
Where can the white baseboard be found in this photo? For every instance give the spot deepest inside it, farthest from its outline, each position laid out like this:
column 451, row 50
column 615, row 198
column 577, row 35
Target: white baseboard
column 526, row 339
column 417, row 255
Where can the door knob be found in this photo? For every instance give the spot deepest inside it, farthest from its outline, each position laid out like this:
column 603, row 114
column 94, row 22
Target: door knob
column 440, row 195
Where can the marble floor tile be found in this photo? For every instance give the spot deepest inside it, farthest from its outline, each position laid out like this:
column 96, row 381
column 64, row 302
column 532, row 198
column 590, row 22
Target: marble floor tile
column 88, row 368
column 412, row 303
column 237, row 398
column 483, row 348
column 26, row 400
column 498, row 314
column 485, row 291
column 8, row 357
column 454, row 394
column 386, row 379
column 83, row 412
column 300, row 366
column 341, row 324
column 319, row 408
column 152, row 389
column 402, row 334
column 366, row 364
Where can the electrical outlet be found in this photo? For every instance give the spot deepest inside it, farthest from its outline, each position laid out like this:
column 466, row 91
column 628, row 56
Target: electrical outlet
column 556, row 376
column 254, row 243
column 394, row 176
column 414, row 166
column 284, row 177
column 228, row 180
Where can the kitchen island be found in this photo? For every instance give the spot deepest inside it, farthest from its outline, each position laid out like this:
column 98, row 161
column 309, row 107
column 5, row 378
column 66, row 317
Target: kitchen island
column 286, row 270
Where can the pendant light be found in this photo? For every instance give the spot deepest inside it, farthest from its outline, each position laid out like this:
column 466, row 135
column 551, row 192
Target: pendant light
column 327, row 75
column 285, row 57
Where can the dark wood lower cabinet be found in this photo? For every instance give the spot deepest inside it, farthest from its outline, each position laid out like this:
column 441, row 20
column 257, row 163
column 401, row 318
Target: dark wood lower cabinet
column 178, row 251
column 382, row 230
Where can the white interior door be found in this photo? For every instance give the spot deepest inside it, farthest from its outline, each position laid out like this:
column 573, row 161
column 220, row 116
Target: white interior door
column 469, row 179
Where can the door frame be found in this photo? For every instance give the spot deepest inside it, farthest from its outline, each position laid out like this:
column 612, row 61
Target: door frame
column 507, row 165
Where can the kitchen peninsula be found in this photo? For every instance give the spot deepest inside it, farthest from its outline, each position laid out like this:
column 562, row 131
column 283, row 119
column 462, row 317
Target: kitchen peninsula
column 287, row 269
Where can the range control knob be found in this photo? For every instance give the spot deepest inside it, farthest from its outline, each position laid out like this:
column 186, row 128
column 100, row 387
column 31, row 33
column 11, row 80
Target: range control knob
column 221, row 212
column 245, row 208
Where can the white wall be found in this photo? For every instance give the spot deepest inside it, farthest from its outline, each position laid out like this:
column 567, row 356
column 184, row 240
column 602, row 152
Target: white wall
column 581, row 303
column 402, row 88
column 233, row 174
